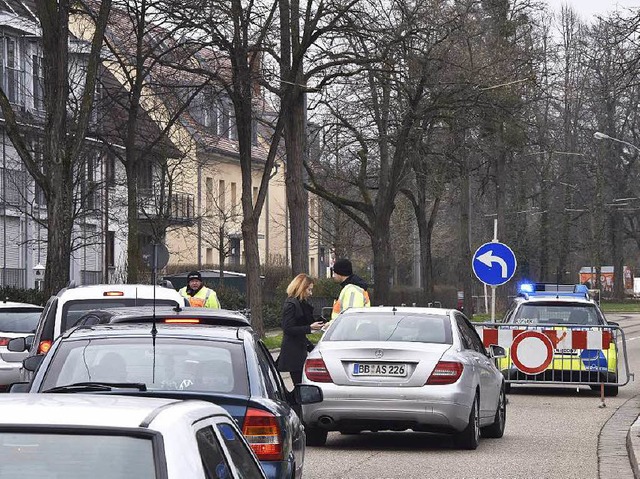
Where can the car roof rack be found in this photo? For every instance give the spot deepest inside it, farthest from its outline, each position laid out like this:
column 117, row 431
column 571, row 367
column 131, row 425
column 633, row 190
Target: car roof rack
column 528, row 290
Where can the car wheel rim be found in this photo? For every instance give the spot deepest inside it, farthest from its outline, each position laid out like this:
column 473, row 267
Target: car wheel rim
column 476, row 422
column 502, row 409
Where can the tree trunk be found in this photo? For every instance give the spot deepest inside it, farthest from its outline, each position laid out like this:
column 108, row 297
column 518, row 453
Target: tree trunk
column 297, row 197
column 133, row 246
column 254, row 287
column 465, row 246
column 381, row 246
column 59, row 231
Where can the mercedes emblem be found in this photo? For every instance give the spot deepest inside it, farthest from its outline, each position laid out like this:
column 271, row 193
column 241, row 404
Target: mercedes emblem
column 379, row 353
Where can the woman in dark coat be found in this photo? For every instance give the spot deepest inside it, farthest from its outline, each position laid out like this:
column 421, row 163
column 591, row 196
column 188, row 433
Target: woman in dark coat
column 297, row 322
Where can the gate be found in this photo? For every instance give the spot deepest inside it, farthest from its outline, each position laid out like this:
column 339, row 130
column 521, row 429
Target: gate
column 560, row 353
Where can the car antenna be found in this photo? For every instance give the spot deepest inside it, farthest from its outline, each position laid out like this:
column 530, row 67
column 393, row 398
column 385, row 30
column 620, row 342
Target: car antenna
column 154, row 329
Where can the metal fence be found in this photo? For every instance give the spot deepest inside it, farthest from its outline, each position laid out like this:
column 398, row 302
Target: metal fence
column 560, row 353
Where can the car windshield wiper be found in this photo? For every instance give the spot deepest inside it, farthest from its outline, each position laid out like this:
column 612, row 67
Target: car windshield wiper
column 95, row 386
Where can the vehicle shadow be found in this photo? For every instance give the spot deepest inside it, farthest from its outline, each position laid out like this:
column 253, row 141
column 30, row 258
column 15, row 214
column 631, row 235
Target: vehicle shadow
column 390, row 441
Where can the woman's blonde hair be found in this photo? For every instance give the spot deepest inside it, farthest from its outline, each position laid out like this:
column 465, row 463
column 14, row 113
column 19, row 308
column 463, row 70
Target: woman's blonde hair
column 298, row 286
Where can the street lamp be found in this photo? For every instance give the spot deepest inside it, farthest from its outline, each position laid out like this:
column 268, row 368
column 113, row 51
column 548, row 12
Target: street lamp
column 602, row 136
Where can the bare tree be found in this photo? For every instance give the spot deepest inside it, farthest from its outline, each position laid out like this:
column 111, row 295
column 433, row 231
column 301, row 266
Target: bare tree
column 63, row 137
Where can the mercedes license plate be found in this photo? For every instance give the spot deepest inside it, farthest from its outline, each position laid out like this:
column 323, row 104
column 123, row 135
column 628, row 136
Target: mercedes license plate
column 379, row 369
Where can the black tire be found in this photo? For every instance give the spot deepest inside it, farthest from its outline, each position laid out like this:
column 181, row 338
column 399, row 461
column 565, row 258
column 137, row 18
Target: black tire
column 469, row 437
column 507, row 388
column 496, row 430
column 611, row 390
column 316, row 436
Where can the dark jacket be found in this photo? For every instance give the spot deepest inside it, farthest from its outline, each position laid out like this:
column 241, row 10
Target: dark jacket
column 297, row 317
column 355, row 279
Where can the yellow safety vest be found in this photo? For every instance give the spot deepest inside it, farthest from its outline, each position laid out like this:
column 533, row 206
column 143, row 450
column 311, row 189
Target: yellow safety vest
column 205, row 298
column 351, row 296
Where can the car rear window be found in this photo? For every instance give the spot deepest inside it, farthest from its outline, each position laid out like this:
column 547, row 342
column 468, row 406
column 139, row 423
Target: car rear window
column 423, row 328
column 173, row 364
column 37, row 455
column 73, row 310
column 555, row 313
column 19, row 320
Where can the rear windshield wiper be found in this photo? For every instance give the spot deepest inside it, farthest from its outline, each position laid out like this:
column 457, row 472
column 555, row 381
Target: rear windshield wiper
column 95, row 386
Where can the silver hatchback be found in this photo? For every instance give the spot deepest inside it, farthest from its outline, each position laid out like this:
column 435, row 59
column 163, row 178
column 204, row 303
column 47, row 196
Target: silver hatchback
column 399, row 368
column 17, row 320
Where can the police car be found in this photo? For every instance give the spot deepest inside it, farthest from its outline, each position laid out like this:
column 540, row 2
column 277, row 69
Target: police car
column 583, row 341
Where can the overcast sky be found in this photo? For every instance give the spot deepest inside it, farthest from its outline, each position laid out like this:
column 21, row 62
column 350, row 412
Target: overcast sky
column 587, row 8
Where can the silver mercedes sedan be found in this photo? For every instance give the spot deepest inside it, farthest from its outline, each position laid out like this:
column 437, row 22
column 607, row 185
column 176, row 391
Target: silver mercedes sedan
column 399, row 368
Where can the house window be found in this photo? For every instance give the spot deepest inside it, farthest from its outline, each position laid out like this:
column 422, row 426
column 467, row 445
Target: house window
column 11, row 68
column 209, row 256
column 110, row 250
column 221, row 196
column 111, row 171
column 209, row 196
column 223, row 131
column 38, row 86
column 255, row 195
column 234, row 197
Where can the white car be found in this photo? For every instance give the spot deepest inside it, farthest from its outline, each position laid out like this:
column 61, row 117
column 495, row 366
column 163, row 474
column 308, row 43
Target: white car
column 64, row 309
column 77, row 436
column 398, row 368
column 17, row 320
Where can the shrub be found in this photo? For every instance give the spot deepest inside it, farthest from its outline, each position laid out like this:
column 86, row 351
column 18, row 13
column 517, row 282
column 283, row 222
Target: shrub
column 32, row 296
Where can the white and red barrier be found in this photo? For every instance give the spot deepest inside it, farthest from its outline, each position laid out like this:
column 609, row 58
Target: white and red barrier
column 560, row 338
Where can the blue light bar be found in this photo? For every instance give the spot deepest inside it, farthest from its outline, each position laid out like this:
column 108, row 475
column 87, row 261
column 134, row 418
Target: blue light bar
column 553, row 289
column 527, row 288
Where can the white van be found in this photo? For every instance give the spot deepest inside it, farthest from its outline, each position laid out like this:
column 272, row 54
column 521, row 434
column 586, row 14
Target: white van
column 63, row 310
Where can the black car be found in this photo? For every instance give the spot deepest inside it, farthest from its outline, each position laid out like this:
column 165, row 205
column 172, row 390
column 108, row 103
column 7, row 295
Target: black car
column 228, row 366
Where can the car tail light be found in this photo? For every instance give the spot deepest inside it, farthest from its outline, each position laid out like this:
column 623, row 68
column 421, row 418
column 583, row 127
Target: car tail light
column 445, row 372
column 44, row 347
column 262, row 431
column 316, row 370
column 4, row 341
column 182, row 321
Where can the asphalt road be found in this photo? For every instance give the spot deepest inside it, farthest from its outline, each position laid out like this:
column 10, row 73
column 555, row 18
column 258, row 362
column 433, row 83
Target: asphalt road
column 551, row 433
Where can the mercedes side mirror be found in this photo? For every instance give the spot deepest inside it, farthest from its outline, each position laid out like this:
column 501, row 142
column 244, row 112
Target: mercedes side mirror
column 496, row 351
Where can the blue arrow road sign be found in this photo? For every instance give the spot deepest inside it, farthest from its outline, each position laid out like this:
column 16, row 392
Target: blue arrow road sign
column 494, row 263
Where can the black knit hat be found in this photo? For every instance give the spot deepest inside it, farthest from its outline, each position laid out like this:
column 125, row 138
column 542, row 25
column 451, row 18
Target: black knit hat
column 343, row 267
column 194, row 275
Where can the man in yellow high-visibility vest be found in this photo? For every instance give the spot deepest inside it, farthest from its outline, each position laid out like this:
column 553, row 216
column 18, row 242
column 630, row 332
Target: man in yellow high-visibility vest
column 354, row 292
column 198, row 294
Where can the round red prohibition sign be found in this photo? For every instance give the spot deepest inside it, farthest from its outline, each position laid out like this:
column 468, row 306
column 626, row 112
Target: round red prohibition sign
column 531, row 352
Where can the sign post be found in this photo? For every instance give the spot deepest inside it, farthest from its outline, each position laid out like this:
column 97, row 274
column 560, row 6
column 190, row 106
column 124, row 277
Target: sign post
column 494, row 264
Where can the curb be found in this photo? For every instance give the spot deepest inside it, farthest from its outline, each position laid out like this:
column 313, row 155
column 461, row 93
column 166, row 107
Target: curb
column 633, row 447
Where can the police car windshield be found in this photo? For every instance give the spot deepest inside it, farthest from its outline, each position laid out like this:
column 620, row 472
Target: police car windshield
column 554, row 313
column 389, row 327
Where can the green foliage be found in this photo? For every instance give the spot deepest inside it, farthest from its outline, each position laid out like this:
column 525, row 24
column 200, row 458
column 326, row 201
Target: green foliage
column 326, row 288
column 272, row 314
column 32, row 296
column 231, row 298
